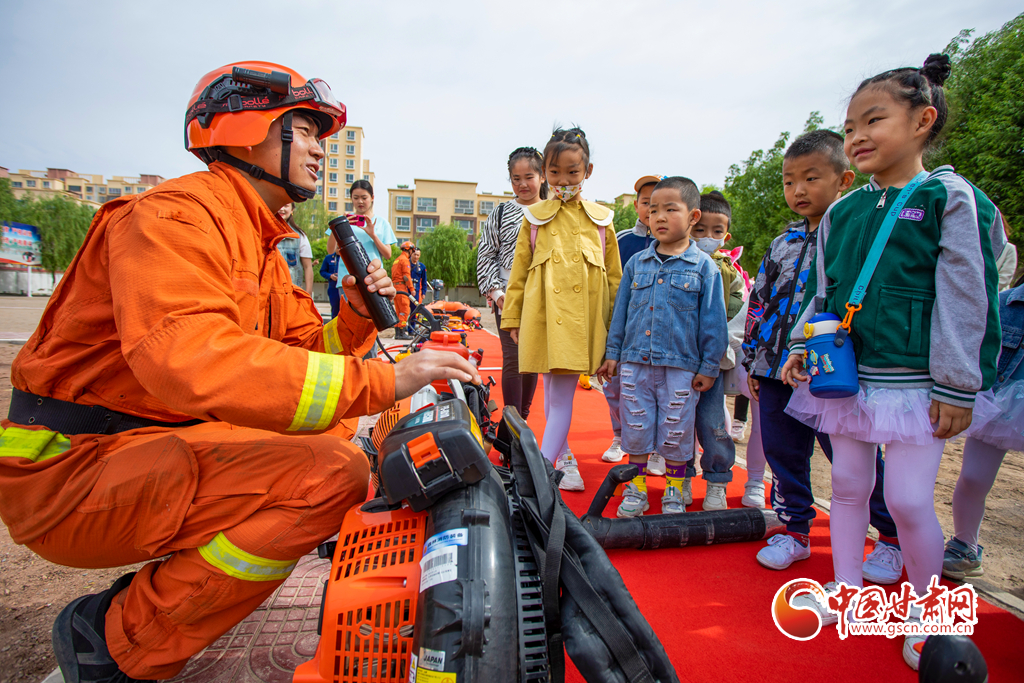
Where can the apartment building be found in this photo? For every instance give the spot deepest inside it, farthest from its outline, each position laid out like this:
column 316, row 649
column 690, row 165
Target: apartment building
column 343, row 165
column 84, row 188
column 417, row 210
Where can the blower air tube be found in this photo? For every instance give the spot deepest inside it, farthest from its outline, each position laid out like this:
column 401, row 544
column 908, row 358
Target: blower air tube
column 466, row 618
column 673, row 531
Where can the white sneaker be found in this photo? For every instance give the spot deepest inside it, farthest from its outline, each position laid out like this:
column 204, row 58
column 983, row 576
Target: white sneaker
column 753, row 494
column 634, row 502
column 688, row 491
column 809, row 601
column 672, row 502
column 656, row 465
column 884, row 564
column 783, row 550
column 912, row 645
column 614, row 452
column 572, row 481
column 714, row 498
column 738, row 431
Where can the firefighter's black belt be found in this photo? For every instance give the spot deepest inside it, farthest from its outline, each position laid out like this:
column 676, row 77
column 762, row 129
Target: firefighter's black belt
column 72, row 418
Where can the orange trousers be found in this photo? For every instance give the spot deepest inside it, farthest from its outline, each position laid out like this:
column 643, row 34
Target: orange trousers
column 402, row 307
column 171, row 492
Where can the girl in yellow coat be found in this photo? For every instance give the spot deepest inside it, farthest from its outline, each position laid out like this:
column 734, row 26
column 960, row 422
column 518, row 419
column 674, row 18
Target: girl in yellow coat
column 564, row 278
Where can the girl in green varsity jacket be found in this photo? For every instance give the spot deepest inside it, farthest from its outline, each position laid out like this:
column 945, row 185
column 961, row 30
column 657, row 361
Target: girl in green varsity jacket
column 927, row 336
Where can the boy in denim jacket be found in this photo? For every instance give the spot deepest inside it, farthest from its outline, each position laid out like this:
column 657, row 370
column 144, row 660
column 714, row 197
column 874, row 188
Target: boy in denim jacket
column 669, row 334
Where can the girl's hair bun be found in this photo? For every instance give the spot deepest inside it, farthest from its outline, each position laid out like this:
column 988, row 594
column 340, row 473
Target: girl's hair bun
column 936, row 69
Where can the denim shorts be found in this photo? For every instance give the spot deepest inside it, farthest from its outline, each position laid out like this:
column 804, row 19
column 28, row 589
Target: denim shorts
column 657, row 406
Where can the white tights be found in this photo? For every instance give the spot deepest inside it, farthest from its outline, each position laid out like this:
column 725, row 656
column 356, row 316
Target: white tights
column 558, row 394
column 755, row 451
column 910, row 473
column 977, row 474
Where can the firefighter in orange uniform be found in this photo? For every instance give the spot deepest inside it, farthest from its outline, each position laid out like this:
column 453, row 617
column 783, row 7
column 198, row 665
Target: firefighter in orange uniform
column 401, row 275
column 182, row 410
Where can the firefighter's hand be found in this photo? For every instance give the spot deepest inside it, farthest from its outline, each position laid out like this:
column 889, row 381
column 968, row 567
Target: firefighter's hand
column 949, row 420
column 793, row 370
column 423, row 367
column 607, row 370
column 377, row 280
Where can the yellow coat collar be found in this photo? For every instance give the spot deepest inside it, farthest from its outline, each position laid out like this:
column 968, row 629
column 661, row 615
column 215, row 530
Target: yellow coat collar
column 543, row 211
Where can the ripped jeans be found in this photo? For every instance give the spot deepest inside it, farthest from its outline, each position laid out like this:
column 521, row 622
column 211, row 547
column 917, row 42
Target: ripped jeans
column 719, row 450
column 657, row 407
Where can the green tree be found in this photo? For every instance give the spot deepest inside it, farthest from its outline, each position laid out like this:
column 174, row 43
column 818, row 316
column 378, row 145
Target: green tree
column 313, row 217
column 61, row 222
column 319, row 247
column 471, row 278
column 625, row 217
column 759, row 210
column 446, row 253
column 396, row 251
column 8, row 204
column 984, row 138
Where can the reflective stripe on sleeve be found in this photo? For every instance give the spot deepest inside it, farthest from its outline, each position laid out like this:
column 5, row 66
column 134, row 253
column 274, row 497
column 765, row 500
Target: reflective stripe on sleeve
column 320, row 392
column 332, row 340
column 34, row 444
column 233, row 561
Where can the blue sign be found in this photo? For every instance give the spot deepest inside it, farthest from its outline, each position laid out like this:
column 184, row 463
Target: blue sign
column 20, row 244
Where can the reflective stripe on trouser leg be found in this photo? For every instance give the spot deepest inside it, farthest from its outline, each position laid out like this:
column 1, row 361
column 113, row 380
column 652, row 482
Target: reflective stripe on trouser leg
column 235, row 562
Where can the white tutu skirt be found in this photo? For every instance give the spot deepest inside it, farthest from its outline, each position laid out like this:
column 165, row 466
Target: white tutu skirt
column 999, row 417
column 875, row 415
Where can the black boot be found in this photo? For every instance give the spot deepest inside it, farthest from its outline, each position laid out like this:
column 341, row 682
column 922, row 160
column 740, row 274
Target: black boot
column 79, row 638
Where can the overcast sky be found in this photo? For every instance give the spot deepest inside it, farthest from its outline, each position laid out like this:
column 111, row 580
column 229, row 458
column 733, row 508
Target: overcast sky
column 447, row 89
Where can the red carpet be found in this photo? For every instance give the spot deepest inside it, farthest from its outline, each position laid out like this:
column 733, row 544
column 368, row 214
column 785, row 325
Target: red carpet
column 711, row 605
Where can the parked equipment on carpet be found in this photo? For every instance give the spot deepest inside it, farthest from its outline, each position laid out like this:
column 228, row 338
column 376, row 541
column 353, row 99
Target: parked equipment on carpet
column 464, row 312
column 673, row 531
column 453, row 573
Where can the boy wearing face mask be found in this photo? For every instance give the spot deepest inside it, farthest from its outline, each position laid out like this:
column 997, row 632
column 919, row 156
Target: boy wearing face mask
column 710, row 233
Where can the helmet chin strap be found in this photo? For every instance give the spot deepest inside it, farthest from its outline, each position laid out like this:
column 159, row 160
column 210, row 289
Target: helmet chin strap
column 296, row 193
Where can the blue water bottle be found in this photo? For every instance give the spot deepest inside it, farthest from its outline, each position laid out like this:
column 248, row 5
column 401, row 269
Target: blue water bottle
column 830, row 362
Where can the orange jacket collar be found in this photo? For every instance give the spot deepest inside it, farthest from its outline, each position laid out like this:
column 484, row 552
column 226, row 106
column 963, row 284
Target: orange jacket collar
column 272, row 228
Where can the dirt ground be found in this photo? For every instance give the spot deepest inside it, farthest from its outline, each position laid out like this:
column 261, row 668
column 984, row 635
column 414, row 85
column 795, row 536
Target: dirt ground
column 33, row 591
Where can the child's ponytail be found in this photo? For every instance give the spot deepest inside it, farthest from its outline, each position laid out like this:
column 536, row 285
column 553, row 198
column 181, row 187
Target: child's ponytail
column 918, row 87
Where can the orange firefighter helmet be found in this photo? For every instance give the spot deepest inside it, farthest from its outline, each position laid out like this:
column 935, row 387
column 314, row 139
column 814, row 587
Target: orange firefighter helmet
column 236, row 104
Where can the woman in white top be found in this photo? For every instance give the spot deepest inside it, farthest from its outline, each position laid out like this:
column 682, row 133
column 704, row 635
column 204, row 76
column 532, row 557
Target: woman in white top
column 297, row 252
column 494, row 265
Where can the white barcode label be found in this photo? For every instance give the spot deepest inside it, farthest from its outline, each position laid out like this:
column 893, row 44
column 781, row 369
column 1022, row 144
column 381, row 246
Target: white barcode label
column 439, row 566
